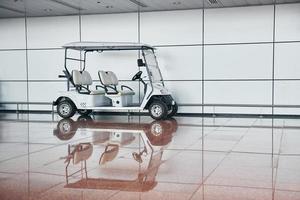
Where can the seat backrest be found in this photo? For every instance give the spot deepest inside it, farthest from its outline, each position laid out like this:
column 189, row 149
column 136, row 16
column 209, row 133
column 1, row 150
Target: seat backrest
column 82, row 78
column 76, row 75
column 108, row 78
column 86, row 78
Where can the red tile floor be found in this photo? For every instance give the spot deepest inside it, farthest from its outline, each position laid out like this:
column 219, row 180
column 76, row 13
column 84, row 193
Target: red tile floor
column 136, row 158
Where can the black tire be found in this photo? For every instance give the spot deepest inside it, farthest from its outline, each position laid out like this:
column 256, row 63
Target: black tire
column 158, row 110
column 173, row 110
column 66, row 129
column 85, row 112
column 66, row 109
column 84, row 118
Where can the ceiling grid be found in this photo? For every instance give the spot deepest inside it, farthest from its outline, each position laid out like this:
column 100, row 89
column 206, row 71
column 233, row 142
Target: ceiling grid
column 16, row 8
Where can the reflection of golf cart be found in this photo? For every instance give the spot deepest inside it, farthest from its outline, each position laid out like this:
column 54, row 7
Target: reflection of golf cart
column 145, row 144
column 157, row 100
column 157, row 131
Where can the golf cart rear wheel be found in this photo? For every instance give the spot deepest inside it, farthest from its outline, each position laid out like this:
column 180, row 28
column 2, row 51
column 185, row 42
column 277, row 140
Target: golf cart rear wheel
column 158, row 110
column 173, row 110
column 66, row 109
column 85, row 112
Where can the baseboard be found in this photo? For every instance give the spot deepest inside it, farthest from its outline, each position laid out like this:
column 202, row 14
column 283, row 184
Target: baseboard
column 215, row 115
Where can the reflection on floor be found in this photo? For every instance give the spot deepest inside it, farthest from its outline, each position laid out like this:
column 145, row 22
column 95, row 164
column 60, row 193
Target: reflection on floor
column 120, row 157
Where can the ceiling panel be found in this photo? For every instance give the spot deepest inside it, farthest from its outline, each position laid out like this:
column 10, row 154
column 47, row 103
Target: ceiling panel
column 106, row 6
column 4, row 13
column 16, row 8
column 171, row 4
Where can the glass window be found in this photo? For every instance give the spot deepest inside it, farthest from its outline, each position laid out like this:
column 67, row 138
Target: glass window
column 154, row 72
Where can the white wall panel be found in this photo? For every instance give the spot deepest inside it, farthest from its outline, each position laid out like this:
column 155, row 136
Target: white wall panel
column 238, row 61
column 52, row 32
column 287, row 60
column 287, row 92
column 171, row 27
column 185, row 91
column 48, row 64
column 13, row 65
column 12, row 33
column 238, row 92
column 45, row 91
column 42, row 107
column 239, row 110
column 13, row 91
column 287, row 22
column 242, row 24
column 180, row 63
column 110, row 27
column 190, row 109
column 45, row 64
column 287, row 111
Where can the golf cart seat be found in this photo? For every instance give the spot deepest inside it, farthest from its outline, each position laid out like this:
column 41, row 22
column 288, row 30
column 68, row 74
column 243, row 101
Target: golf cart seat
column 110, row 153
column 109, row 80
column 84, row 80
column 81, row 152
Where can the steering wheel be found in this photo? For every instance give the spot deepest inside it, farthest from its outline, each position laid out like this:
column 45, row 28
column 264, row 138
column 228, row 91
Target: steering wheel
column 137, row 76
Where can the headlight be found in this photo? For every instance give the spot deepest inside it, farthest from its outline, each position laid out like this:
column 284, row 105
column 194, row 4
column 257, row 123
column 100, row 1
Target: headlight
column 164, row 91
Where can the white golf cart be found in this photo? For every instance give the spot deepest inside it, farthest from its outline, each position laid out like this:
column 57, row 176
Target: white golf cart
column 109, row 96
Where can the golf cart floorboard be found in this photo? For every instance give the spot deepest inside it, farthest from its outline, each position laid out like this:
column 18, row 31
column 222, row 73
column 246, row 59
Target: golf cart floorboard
column 115, row 108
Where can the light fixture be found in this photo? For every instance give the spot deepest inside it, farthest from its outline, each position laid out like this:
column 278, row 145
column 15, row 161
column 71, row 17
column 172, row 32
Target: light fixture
column 61, row 2
column 47, row 10
column 213, row 1
column 136, row 2
column 176, row 3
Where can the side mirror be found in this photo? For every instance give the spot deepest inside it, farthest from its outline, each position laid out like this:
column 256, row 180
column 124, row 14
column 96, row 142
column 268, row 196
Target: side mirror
column 140, row 62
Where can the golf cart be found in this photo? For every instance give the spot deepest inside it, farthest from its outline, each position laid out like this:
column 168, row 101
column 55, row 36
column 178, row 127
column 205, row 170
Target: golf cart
column 109, row 96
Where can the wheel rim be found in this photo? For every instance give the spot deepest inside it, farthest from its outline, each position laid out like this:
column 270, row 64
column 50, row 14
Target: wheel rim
column 65, row 109
column 65, row 127
column 156, row 110
column 156, row 129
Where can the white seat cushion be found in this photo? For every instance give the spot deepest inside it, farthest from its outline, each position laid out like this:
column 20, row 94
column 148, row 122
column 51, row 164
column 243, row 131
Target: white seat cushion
column 127, row 92
column 95, row 92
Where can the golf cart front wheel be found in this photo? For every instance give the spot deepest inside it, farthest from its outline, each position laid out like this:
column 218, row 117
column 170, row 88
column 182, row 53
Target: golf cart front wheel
column 173, row 110
column 84, row 112
column 66, row 109
column 158, row 110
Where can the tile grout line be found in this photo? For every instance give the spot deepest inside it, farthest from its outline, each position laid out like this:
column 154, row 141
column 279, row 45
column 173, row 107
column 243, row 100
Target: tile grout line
column 225, row 156
column 38, row 151
column 277, row 161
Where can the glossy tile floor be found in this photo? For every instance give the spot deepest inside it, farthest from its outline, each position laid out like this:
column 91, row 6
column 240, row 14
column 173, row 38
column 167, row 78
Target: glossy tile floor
column 124, row 157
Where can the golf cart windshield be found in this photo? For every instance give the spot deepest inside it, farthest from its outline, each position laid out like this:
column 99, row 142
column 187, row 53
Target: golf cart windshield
column 154, row 72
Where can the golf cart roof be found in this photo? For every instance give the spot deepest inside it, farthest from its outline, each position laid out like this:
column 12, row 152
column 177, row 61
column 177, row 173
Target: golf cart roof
column 106, row 46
